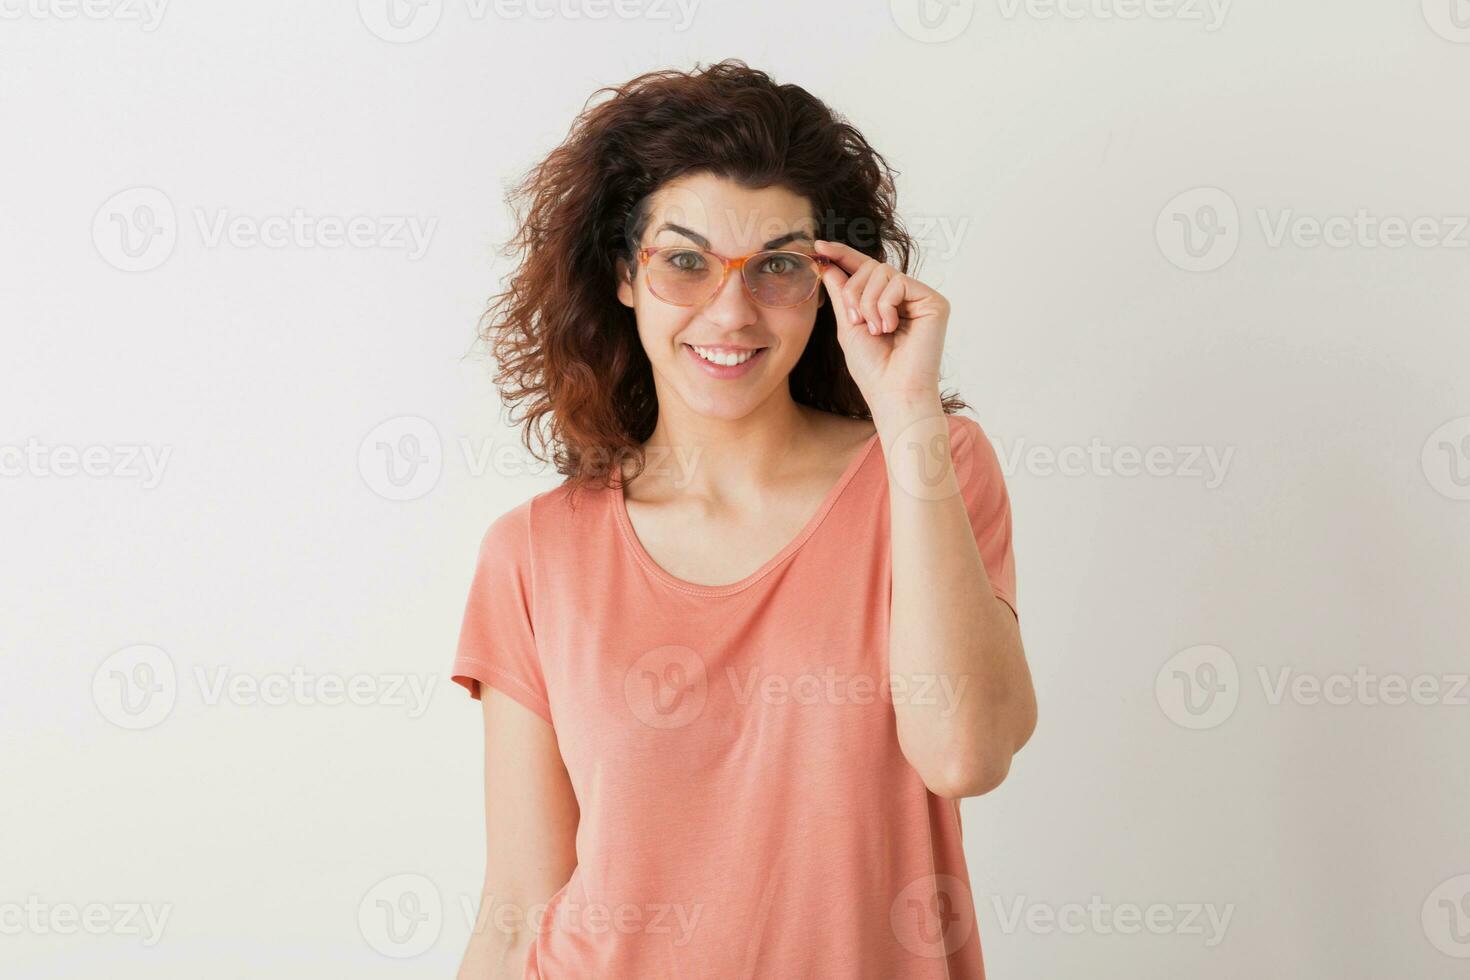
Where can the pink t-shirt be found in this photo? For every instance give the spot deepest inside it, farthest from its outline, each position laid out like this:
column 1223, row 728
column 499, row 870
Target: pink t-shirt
column 746, row 811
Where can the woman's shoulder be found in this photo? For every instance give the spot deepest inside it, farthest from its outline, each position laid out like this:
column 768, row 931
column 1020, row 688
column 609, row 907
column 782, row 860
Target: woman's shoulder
column 551, row 514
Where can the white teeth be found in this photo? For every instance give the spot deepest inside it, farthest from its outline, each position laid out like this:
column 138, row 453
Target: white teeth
column 726, row 358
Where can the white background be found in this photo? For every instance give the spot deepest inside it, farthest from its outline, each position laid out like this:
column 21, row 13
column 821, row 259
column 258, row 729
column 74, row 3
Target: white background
column 1042, row 158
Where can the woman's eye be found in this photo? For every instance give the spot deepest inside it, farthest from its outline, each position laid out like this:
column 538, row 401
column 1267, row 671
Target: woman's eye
column 686, row 261
column 777, row 265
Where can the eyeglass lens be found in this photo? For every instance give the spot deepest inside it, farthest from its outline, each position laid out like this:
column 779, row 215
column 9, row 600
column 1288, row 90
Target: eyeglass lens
column 688, row 276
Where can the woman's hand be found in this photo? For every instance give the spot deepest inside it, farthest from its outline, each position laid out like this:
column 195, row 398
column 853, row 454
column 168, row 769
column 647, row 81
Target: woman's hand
column 894, row 346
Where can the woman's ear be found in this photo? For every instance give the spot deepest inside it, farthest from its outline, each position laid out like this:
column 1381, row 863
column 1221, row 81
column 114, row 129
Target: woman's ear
column 625, row 283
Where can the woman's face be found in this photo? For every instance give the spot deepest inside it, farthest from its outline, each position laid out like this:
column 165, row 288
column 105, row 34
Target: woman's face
column 711, row 213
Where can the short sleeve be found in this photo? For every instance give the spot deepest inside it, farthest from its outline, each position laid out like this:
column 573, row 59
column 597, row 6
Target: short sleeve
column 497, row 642
column 982, row 484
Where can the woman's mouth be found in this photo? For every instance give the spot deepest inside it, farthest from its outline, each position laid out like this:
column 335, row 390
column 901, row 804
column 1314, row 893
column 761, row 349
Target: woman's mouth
column 725, row 362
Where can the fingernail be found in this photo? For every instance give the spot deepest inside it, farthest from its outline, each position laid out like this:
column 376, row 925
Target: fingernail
column 872, row 328
column 852, row 315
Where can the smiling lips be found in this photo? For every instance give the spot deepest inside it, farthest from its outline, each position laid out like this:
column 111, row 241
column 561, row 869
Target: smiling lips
column 723, row 361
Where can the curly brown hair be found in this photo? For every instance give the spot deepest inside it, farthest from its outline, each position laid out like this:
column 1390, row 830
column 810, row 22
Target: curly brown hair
column 571, row 366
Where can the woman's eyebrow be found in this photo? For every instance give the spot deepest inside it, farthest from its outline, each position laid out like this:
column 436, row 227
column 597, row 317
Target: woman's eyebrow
column 703, row 242
column 790, row 236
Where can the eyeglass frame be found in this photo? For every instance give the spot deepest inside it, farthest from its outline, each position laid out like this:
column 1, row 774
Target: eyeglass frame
column 738, row 262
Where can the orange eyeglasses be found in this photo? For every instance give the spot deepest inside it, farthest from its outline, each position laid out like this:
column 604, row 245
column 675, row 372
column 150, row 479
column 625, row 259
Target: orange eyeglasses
column 683, row 275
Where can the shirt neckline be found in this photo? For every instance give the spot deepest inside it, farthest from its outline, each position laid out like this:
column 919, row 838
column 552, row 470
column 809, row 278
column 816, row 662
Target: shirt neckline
column 630, row 536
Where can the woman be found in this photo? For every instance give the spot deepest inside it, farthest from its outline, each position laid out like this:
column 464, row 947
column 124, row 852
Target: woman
column 737, row 670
